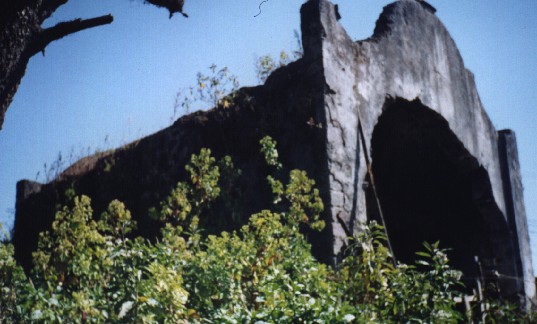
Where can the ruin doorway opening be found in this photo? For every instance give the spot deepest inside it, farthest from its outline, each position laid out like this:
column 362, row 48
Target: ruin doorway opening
column 432, row 189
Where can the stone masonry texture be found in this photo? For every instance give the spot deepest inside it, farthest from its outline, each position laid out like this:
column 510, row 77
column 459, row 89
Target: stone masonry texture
column 391, row 128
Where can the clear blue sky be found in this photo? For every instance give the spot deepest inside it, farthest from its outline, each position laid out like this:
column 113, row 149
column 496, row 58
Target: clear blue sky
column 107, row 86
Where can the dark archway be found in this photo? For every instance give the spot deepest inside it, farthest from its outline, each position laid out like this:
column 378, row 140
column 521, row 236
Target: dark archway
column 431, row 188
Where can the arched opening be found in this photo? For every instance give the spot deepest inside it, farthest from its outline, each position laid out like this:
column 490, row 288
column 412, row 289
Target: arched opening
column 432, row 189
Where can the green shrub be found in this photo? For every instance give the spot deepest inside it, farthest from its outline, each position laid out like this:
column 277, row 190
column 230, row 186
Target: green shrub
column 87, row 269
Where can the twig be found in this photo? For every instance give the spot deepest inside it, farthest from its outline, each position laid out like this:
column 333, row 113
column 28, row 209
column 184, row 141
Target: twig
column 260, row 7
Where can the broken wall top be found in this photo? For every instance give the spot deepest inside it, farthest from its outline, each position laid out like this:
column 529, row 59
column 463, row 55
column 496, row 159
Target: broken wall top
column 410, row 55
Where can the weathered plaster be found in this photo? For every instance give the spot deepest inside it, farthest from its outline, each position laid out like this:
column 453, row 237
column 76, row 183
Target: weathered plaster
column 339, row 84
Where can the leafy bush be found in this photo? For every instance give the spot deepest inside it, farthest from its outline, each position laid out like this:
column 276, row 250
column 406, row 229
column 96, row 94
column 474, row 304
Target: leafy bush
column 13, row 284
column 210, row 89
column 89, row 269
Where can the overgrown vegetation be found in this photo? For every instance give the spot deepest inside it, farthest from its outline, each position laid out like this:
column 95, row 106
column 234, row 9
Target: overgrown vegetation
column 216, row 88
column 212, row 88
column 52, row 170
column 266, row 64
column 89, row 268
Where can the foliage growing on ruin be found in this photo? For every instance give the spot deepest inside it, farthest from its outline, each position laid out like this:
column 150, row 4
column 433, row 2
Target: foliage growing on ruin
column 88, row 268
column 215, row 88
column 267, row 64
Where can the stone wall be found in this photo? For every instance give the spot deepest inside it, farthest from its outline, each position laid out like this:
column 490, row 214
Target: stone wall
column 412, row 58
column 391, row 128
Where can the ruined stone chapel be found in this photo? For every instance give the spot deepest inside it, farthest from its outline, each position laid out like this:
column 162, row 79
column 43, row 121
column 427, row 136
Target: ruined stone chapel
column 391, row 128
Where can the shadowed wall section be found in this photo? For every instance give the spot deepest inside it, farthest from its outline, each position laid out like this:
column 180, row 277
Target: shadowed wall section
column 432, row 189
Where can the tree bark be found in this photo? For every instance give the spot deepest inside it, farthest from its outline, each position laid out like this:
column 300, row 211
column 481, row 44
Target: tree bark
column 21, row 37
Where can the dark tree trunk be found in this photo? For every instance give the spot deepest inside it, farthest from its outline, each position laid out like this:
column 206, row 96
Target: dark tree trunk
column 21, row 37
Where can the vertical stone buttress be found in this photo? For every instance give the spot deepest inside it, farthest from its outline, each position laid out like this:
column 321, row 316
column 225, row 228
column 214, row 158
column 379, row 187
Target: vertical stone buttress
column 516, row 215
column 328, row 50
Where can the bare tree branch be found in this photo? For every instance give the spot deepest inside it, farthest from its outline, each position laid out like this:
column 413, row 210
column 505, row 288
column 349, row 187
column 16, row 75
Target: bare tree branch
column 21, row 37
column 48, row 35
